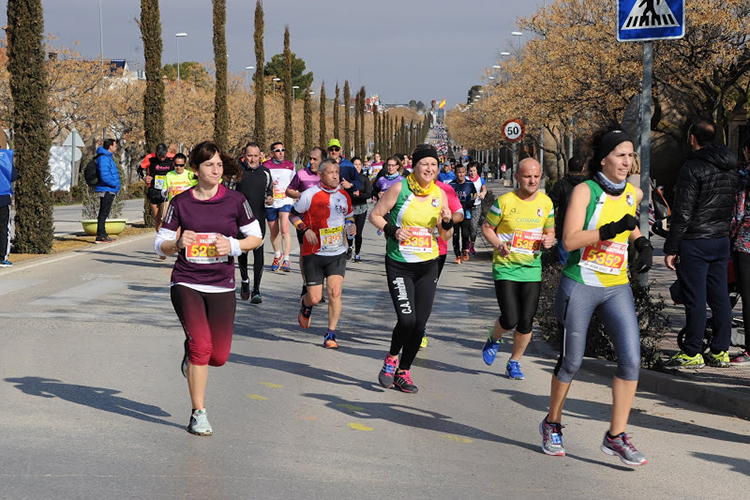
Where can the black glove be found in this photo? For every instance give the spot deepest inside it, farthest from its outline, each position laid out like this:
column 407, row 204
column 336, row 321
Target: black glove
column 645, row 255
column 609, row 231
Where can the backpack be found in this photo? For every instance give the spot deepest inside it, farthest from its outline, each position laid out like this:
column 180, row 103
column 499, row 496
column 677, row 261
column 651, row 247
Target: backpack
column 91, row 172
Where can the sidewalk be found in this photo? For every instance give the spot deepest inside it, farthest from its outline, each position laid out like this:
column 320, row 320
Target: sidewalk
column 725, row 390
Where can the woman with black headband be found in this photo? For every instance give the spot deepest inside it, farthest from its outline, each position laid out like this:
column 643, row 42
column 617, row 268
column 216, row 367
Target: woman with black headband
column 408, row 214
column 599, row 223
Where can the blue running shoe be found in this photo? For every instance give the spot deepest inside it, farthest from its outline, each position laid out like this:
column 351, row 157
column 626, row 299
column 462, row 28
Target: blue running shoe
column 513, row 369
column 489, row 351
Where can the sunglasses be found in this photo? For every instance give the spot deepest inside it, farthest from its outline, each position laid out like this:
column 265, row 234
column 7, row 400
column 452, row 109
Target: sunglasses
column 334, row 148
column 179, row 165
column 280, row 150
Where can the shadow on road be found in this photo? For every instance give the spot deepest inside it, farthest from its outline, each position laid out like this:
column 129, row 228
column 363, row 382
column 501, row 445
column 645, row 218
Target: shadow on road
column 99, row 398
column 739, row 464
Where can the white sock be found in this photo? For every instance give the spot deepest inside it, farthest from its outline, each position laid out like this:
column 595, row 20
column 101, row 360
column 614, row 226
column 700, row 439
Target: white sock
column 277, row 255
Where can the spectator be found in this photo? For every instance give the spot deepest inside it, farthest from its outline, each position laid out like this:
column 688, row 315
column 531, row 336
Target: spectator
column 740, row 234
column 107, row 188
column 8, row 175
column 560, row 195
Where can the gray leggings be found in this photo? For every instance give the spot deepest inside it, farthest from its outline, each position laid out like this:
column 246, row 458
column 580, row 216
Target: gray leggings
column 575, row 304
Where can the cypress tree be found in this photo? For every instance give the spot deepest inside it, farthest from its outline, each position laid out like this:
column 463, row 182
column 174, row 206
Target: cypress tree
column 347, row 122
column 221, row 111
column 308, row 121
column 29, row 90
column 153, row 99
column 336, row 104
column 375, row 141
column 362, row 144
column 357, row 125
column 404, row 147
column 322, row 115
column 260, row 81
column 288, row 131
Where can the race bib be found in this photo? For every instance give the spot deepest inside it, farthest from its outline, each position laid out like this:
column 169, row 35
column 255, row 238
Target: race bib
column 203, row 251
column 420, row 240
column 159, row 181
column 605, row 257
column 331, row 238
column 175, row 190
column 526, row 242
column 278, row 193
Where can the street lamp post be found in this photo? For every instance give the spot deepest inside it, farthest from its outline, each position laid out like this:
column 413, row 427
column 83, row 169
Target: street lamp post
column 177, row 37
column 294, row 91
column 277, row 79
column 249, row 69
column 519, row 35
column 101, row 58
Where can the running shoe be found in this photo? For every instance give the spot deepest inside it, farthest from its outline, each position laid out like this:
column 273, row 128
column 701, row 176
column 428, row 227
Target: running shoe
column 465, row 257
column 349, row 253
column 276, row 264
column 741, row 359
column 513, row 369
column 104, row 240
column 720, row 360
column 357, row 260
column 471, row 248
column 380, row 232
column 199, row 423
column 457, row 261
column 682, row 360
column 329, row 341
column 245, row 290
column 184, row 365
column 304, row 316
column 489, row 351
column 256, row 298
column 389, row 370
column 551, row 438
column 620, row 446
column 286, row 266
column 5, row 263
column 423, row 344
column 403, row 382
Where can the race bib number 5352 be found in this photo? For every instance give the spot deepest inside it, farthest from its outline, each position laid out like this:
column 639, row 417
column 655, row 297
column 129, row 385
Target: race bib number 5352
column 605, row 257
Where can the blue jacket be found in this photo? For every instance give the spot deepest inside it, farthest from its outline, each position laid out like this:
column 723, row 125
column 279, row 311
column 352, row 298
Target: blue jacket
column 8, row 174
column 348, row 171
column 109, row 177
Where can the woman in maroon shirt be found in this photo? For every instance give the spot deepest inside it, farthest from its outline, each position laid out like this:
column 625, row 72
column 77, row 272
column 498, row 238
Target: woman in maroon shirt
column 199, row 227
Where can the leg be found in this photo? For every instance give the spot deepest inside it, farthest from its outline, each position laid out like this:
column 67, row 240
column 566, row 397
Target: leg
column 258, row 259
column 273, row 226
column 457, row 242
column 242, row 264
column 105, row 205
column 717, row 293
column 623, row 393
column 742, row 275
column 465, row 234
column 286, row 238
column 425, row 284
column 5, row 233
column 359, row 221
column 401, row 288
column 692, row 272
column 334, row 285
column 528, row 303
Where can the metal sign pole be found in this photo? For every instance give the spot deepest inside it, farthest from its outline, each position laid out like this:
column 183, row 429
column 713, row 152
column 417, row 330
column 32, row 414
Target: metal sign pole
column 648, row 67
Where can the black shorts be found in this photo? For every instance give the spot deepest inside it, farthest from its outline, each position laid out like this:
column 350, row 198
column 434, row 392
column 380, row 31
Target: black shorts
column 319, row 267
column 154, row 196
column 518, row 301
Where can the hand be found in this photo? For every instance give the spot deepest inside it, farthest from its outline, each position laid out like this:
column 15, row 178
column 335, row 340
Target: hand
column 356, row 193
column 352, row 230
column 402, row 234
column 223, row 247
column 148, row 179
column 345, row 184
column 645, row 255
column 445, row 214
column 269, row 200
column 503, row 249
column 188, row 238
column 609, row 231
column 311, row 237
column 548, row 240
column 670, row 261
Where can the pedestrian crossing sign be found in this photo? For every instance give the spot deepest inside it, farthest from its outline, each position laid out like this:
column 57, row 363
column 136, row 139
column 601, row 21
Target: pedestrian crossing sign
column 644, row 20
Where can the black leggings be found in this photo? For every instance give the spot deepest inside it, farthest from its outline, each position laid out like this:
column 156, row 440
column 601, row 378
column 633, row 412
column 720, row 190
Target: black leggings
column 741, row 261
column 518, row 301
column 412, row 287
column 461, row 230
column 258, row 260
column 359, row 221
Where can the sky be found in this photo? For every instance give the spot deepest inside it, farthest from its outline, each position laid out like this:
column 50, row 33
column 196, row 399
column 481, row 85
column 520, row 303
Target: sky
column 398, row 49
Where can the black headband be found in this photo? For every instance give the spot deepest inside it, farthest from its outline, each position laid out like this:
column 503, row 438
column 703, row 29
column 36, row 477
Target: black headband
column 609, row 142
column 424, row 152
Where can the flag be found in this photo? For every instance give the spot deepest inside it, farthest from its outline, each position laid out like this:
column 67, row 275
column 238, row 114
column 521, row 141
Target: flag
column 442, row 104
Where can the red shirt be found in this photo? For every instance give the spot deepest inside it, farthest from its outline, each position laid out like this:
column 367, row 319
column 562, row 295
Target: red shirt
column 325, row 211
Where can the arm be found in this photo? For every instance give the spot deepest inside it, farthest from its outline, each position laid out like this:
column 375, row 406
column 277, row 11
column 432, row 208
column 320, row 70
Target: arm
column 686, row 199
column 490, row 234
column 296, row 219
column 377, row 216
column 446, row 218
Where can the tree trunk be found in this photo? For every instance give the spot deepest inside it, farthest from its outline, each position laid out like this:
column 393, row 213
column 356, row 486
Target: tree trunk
column 260, row 81
column 322, row 116
column 288, row 91
column 221, row 111
column 347, row 122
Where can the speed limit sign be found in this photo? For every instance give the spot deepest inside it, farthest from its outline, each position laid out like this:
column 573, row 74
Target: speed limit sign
column 513, row 130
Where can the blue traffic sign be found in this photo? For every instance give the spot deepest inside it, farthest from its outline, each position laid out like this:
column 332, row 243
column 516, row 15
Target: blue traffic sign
column 644, row 20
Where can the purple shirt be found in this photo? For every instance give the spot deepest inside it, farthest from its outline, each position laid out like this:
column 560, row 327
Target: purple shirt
column 304, row 179
column 224, row 214
column 384, row 182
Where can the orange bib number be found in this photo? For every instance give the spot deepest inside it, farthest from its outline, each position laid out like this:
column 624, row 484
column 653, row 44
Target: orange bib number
column 420, row 240
column 331, row 238
column 605, row 257
column 279, row 193
column 203, row 251
column 526, row 242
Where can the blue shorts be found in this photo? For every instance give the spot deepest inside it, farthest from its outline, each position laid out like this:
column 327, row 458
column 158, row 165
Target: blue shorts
column 273, row 213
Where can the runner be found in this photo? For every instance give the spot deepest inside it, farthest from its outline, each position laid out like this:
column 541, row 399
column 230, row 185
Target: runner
column 323, row 214
column 303, row 180
column 376, row 166
column 153, row 174
column 393, row 174
column 198, row 227
column 599, row 223
column 476, row 213
column 517, row 226
column 416, row 206
column 360, row 208
column 256, row 185
column 277, row 213
column 466, row 193
column 178, row 180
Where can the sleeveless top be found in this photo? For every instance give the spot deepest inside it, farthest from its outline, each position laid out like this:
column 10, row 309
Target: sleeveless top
column 604, row 263
column 419, row 215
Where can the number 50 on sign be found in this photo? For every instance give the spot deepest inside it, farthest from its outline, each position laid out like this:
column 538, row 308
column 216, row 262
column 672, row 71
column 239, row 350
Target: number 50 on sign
column 513, row 130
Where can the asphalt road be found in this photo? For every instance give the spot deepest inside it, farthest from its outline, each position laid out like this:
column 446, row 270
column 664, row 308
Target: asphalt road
column 94, row 405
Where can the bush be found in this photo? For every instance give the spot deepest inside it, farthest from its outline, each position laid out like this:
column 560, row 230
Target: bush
column 136, row 190
column 651, row 320
column 61, row 197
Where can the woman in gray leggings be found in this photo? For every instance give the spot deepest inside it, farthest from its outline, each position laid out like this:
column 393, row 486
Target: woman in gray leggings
column 599, row 224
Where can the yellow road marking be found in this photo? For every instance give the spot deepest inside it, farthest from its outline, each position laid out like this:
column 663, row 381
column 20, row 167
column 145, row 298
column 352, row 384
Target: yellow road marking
column 359, row 427
column 257, row 397
column 456, row 439
column 272, row 385
column 350, row 407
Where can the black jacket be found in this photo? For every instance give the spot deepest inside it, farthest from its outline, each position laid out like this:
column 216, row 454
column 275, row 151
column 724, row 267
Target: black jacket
column 256, row 184
column 560, row 196
column 365, row 193
column 704, row 197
